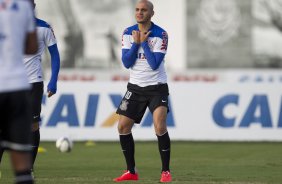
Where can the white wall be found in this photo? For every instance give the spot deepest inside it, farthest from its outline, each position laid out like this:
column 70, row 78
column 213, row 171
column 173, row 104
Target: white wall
column 171, row 15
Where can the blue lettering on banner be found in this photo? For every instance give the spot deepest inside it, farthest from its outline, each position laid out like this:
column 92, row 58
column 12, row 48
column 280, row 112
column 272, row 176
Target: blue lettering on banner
column 258, row 102
column 90, row 117
column 71, row 117
column 217, row 113
column 261, row 102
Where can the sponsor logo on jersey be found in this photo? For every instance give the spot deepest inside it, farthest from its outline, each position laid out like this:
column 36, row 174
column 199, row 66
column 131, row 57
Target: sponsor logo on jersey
column 165, row 41
column 141, row 56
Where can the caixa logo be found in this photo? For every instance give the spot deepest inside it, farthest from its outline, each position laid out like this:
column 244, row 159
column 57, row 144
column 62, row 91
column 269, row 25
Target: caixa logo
column 65, row 111
column 257, row 111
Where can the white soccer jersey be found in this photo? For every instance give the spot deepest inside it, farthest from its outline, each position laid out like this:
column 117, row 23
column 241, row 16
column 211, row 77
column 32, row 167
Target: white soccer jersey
column 141, row 73
column 16, row 21
column 46, row 38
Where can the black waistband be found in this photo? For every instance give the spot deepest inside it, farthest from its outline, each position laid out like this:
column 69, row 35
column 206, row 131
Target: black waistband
column 159, row 89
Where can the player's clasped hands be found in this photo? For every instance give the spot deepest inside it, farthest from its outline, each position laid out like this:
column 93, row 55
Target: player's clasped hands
column 139, row 36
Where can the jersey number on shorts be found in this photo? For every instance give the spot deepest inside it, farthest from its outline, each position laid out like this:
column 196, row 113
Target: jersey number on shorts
column 128, row 95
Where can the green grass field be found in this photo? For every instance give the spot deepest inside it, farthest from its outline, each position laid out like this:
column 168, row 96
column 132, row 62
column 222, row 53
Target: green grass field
column 192, row 162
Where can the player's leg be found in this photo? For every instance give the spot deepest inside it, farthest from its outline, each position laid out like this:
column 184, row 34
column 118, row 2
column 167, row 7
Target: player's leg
column 36, row 99
column 1, row 137
column 18, row 117
column 159, row 118
column 21, row 162
column 126, row 141
column 1, row 149
column 35, row 141
column 159, row 106
column 128, row 148
column 1, row 154
column 131, row 110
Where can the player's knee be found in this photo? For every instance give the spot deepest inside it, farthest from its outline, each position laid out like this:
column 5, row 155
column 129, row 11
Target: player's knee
column 124, row 128
column 125, row 125
column 160, row 128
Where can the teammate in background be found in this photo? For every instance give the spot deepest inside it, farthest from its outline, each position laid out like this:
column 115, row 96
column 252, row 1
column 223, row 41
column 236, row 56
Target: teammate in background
column 17, row 35
column 46, row 38
column 144, row 46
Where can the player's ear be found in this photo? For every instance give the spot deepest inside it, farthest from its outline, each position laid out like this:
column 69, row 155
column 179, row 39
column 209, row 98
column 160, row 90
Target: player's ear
column 153, row 13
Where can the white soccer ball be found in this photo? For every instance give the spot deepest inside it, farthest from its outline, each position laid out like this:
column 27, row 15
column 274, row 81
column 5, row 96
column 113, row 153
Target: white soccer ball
column 64, row 144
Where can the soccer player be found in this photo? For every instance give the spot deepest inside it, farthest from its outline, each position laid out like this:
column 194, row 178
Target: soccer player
column 17, row 35
column 144, row 46
column 46, row 38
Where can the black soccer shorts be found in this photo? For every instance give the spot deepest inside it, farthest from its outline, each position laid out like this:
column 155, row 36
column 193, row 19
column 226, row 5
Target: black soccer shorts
column 36, row 100
column 15, row 121
column 137, row 99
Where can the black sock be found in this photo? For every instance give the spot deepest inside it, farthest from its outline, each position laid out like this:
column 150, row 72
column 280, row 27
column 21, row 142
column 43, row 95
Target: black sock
column 164, row 148
column 127, row 146
column 24, row 177
column 35, row 144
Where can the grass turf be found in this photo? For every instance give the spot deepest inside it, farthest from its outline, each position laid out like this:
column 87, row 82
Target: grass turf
column 191, row 162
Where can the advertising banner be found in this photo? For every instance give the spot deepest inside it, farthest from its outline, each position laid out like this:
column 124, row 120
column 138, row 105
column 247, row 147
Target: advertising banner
column 198, row 111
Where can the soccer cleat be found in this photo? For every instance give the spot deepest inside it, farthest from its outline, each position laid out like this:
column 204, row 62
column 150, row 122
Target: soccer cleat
column 126, row 176
column 165, row 177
